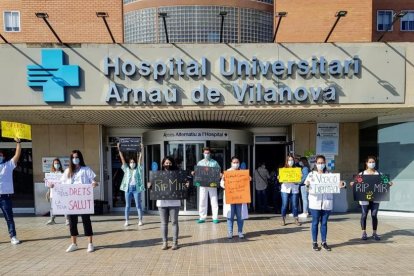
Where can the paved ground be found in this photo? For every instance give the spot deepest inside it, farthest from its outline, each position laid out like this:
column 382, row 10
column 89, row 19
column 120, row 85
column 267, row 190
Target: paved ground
column 269, row 249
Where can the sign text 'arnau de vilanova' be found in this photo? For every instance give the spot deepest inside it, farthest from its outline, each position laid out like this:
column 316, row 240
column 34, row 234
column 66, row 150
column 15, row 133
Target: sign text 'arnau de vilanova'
column 243, row 79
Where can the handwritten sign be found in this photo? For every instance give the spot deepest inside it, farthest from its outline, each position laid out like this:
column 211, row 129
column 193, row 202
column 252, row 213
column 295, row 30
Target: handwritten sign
column 326, row 183
column 168, row 185
column 76, row 199
column 371, row 188
column 52, row 179
column 130, row 144
column 290, row 175
column 206, row 176
column 16, row 130
column 237, row 186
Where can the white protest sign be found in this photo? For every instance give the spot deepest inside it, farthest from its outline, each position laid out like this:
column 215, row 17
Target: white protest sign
column 52, row 179
column 326, row 183
column 75, row 199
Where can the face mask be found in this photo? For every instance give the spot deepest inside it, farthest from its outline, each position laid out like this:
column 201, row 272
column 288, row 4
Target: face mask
column 167, row 167
column 235, row 165
column 301, row 163
column 290, row 163
column 207, row 156
column 371, row 165
column 320, row 167
column 1, row 159
column 75, row 161
column 132, row 165
column 56, row 166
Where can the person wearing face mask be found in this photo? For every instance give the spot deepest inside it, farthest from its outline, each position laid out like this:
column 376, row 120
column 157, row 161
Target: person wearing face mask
column 290, row 191
column 261, row 177
column 230, row 210
column 205, row 192
column 7, row 189
column 79, row 173
column 320, row 206
column 370, row 164
column 304, row 164
column 58, row 169
column 132, row 184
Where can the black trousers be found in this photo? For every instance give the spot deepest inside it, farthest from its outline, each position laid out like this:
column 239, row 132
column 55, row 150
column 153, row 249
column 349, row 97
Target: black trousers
column 73, row 225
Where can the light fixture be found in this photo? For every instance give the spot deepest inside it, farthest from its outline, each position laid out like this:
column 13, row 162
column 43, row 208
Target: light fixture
column 164, row 16
column 104, row 15
column 222, row 14
column 280, row 15
column 395, row 18
column 338, row 16
column 41, row 15
column 401, row 14
column 341, row 14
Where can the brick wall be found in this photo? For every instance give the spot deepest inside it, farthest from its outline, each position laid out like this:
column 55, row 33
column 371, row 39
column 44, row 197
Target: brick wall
column 74, row 21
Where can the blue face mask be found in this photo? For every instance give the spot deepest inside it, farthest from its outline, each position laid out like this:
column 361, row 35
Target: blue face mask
column 75, row 161
column 1, row 159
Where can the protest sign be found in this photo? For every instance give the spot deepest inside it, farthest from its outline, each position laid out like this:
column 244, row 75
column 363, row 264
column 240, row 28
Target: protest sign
column 237, row 186
column 206, row 176
column 168, row 185
column 325, row 183
column 371, row 188
column 75, row 199
column 130, row 144
column 16, row 130
column 290, row 175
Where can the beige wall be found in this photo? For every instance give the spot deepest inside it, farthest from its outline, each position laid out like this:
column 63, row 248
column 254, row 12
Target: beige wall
column 60, row 140
column 346, row 162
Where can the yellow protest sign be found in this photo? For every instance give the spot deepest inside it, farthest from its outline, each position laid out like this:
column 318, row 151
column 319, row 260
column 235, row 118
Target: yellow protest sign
column 292, row 175
column 16, row 130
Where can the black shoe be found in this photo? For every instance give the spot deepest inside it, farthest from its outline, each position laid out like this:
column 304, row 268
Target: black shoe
column 326, row 246
column 315, row 246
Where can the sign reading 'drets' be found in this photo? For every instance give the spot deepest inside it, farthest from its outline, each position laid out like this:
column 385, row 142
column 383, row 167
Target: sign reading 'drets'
column 244, row 79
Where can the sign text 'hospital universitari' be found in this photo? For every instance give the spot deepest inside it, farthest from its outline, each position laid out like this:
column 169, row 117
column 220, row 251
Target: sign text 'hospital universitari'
column 243, row 79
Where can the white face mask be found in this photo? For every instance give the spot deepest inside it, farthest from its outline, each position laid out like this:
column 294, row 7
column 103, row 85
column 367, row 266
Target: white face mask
column 320, row 167
column 290, row 163
column 132, row 165
column 207, row 156
column 371, row 165
column 1, row 159
column 235, row 165
column 75, row 161
column 301, row 163
column 56, row 166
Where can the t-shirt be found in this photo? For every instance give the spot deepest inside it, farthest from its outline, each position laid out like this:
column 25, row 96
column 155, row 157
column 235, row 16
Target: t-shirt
column 6, row 177
column 84, row 175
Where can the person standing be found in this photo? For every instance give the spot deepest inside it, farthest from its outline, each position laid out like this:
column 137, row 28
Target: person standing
column 290, row 191
column 7, row 189
column 231, row 210
column 320, row 206
column 132, row 184
column 370, row 164
column 56, row 168
column 303, row 189
column 205, row 192
column 79, row 173
column 261, row 178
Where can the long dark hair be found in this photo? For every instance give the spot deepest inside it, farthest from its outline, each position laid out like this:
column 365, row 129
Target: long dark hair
column 287, row 159
column 53, row 166
column 173, row 164
column 305, row 161
column 72, row 166
column 324, row 160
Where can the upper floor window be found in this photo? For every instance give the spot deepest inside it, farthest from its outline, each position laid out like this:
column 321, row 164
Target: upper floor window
column 384, row 20
column 11, row 21
column 407, row 21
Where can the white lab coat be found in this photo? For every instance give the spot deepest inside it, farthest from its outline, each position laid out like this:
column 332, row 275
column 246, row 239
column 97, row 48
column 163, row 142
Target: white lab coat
column 319, row 201
column 227, row 207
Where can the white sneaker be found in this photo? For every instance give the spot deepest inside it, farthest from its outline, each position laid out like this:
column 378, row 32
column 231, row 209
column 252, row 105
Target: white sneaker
column 91, row 248
column 126, row 223
column 72, row 248
column 50, row 222
column 303, row 215
column 67, row 222
column 241, row 236
column 14, row 240
column 140, row 223
column 291, row 215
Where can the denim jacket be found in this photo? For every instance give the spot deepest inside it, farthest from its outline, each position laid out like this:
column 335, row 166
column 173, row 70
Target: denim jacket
column 139, row 182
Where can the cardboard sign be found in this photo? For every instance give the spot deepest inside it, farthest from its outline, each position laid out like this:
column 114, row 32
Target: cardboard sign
column 168, row 185
column 16, row 130
column 290, row 175
column 206, row 176
column 52, row 179
column 130, row 144
column 75, row 199
column 371, row 188
column 325, row 183
column 47, row 163
column 237, row 186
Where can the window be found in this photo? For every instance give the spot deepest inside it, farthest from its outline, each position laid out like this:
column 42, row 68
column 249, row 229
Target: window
column 384, row 21
column 407, row 22
column 11, row 21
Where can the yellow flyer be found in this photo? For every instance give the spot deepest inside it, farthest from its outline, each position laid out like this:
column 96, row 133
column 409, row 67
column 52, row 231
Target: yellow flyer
column 292, row 175
column 16, row 130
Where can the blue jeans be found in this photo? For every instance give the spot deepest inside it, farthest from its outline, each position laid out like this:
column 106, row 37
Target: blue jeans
column 137, row 197
column 285, row 203
column 7, row 208
column 262, row 200
column 236, row 209
column 304, row 194
column 319, row 216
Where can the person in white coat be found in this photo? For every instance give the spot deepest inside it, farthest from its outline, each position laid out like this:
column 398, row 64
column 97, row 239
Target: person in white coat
column 205, row 192
column 230, row 210
column 320, row 206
